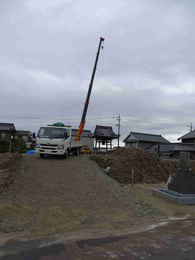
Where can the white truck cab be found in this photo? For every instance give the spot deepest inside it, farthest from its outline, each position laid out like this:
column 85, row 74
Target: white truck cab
column 57, row 139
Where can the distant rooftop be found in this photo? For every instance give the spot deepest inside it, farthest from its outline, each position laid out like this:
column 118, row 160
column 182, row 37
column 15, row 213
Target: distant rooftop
column 144, row 137
column 23, row 132
column 176, row 147
column 104, row 132
column 189, row 135
column 7, row 127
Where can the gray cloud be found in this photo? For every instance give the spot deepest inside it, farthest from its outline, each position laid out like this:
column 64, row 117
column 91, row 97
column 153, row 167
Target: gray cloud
column 145, row 72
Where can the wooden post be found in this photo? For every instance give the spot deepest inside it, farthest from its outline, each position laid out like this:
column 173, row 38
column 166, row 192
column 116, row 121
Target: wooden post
column 132, row 177
column 10, row 141
column 10, row 145
column 96, row 145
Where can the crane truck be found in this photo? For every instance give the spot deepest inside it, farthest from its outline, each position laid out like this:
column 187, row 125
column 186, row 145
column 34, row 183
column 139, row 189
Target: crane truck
column 58, row 139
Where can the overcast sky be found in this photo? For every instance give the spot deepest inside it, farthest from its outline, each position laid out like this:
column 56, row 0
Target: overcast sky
column 145, row 71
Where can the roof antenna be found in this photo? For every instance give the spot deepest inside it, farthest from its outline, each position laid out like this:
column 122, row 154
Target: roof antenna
column 190, row 126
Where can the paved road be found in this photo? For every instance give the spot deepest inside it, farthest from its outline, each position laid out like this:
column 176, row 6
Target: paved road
column 174, row 241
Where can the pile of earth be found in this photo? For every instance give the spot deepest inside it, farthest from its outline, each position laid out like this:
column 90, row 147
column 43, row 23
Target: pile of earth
column 135, row 165
column 8, row 169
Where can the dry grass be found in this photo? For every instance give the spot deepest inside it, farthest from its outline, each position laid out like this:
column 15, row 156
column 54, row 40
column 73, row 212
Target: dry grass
column 168, row 208
column 15, row 217
column 57, row 220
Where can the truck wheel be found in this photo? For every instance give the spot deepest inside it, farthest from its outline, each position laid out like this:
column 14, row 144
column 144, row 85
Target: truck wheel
column 41, row 155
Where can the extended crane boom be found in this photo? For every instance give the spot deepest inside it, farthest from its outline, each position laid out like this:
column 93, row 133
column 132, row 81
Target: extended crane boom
column 83, row 118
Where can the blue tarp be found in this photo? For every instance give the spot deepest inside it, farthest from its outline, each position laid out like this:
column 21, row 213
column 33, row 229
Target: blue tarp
column 31, row 152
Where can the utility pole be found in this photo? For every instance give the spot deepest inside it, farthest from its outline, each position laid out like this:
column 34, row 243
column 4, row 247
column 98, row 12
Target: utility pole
column 118, row 118
column 190, row 127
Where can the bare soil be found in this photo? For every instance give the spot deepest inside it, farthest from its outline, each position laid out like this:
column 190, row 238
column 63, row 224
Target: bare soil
column 52, row 196
column 57, row 196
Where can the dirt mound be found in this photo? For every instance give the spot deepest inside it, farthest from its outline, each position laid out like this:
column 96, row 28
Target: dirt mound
column 147, row 167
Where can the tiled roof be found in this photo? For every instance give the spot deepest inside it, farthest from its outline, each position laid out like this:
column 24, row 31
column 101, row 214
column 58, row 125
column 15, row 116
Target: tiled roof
column 176, row 147
column 189, row 135
column 135, row 136
column 7, row 127
column 104, row 131
column 23, row 132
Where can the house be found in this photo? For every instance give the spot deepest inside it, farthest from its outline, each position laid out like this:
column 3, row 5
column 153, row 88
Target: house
column 26, row 136
column 174, row 150
column 104, row 135
column 188, row 138
column 7, row 130
column 87, row 137
column 143, row 140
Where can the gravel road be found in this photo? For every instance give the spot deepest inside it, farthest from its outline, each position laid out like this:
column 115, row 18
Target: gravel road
column 73, row 200
column 53, row 196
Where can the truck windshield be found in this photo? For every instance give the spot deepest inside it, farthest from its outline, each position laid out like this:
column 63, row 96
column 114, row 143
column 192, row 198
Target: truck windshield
column 49, row 132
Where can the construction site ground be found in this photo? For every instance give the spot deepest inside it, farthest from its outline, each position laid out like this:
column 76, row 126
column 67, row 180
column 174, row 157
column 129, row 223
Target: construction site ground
column 75, row 199
column 54, row 195
column 168, row 241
